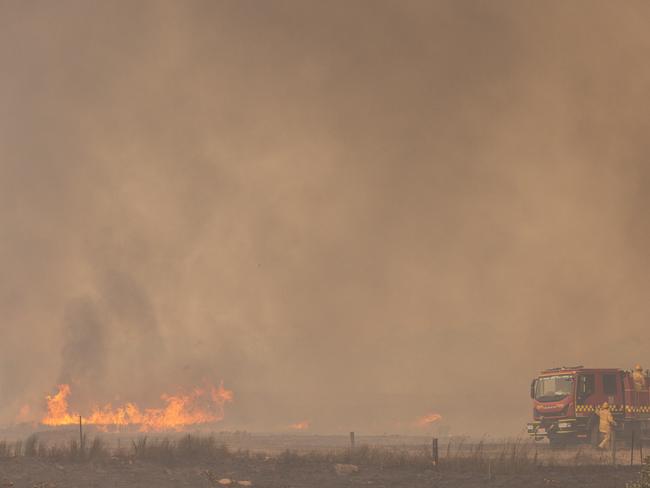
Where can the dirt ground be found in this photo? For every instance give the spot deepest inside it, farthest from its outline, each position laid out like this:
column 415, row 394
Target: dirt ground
column 36, row 473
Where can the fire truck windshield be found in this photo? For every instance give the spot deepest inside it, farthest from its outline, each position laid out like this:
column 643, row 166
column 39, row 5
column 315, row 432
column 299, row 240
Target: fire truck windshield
column 553, row 388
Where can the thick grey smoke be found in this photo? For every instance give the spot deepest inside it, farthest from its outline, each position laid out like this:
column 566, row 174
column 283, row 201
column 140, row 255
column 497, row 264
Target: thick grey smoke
column 351, row 212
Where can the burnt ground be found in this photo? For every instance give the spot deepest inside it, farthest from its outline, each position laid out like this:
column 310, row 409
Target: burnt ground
column 24, row 472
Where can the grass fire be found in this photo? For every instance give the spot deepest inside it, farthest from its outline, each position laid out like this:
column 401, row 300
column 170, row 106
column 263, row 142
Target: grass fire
column 428, row 419
column 302, row 425
column 200, row 406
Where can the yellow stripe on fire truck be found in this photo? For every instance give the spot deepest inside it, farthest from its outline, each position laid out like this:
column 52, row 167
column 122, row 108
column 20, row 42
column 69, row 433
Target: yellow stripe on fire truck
column 614, row 408
column 592, row 408
column 639, row 409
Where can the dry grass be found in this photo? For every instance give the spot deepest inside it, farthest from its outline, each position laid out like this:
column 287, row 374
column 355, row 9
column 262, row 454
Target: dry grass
column 187, row 448
column 159, row 450
column 506, row 457
column 383, row 457
column 70, row 451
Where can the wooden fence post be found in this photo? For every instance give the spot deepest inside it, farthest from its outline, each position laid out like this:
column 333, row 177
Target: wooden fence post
column 81, row 438
column 434, row 451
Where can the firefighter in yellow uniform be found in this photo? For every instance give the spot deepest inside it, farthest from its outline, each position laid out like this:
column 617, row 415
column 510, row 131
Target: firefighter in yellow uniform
column 606, row 423
column 639, row 378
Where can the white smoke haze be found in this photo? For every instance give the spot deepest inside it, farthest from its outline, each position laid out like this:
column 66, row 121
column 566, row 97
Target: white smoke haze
column 352, row 213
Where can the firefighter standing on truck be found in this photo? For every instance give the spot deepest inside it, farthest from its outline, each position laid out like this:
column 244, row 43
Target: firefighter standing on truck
column 639, row 378
column 606, row 423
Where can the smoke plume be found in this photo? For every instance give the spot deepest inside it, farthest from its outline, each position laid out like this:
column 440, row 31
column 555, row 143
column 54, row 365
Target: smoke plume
column 354, row 213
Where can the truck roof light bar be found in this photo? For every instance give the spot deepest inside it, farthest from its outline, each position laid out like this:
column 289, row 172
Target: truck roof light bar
column 565, row 368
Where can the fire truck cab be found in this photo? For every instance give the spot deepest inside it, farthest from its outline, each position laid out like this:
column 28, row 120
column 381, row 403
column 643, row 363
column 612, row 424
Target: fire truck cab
column 566, row 401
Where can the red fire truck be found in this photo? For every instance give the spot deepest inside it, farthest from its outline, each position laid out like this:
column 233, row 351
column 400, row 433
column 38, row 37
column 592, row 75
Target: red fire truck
column 566, row 399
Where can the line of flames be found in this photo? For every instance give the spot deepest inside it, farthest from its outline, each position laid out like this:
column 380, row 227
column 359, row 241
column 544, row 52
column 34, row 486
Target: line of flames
column 200, row 406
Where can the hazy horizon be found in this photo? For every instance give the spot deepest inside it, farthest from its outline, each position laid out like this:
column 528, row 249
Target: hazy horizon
column 351, row 213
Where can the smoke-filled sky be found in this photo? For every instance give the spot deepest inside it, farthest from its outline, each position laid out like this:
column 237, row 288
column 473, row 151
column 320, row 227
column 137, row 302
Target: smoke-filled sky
column 351, row 212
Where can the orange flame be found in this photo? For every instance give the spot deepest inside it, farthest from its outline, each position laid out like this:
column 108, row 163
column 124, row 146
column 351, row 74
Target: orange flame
column 202, row 405
column 57, row 408
column 428, row 419
column 302, row 425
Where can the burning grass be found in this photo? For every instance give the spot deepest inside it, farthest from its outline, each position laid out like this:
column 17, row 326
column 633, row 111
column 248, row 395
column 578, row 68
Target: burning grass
column 199, row 406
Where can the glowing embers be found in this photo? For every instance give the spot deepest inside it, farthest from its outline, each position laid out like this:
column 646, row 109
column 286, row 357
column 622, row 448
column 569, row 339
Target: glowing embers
column 428, row 419
column 302, row 425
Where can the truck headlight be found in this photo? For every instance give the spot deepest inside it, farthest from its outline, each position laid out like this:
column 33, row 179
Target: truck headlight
column 564, row 425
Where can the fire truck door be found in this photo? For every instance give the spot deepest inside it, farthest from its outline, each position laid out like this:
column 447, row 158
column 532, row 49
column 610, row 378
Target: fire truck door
column 613, row 390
